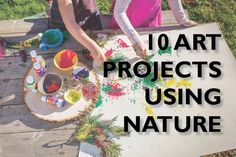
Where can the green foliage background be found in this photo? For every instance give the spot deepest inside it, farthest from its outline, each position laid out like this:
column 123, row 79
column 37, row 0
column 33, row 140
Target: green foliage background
column 17, row 9
column 202, row 11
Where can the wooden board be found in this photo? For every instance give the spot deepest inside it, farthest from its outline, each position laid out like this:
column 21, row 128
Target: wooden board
column 13, row 68
column 38, row 144
column 11, row 92
column 23, row 26
column 39, row 25
column 17, row 119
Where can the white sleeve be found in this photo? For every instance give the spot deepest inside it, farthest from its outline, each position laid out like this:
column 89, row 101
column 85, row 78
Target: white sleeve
column 178, row 10
column 121, row 18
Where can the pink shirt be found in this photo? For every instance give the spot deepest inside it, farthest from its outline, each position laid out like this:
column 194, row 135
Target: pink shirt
column 142, row 13
column 136, row 13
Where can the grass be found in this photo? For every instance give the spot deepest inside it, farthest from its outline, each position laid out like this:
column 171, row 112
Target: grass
column 202, row 11
column 220, row 11
column 17, row 9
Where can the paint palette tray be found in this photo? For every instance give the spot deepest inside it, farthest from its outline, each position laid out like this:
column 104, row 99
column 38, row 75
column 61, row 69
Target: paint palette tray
column 51, row 113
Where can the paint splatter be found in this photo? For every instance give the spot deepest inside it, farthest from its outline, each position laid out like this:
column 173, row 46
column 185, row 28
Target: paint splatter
column 109, row 53
column 122, row 43
column 148, row 59
column 106, row 88
column 133, row 100
column 113, row 89
column 116, row 58
column 149, row 110
column 99, row 101
column 168, row 50
column 185, row 83
column 136, row 85
column 147, row 81
column 170, row 83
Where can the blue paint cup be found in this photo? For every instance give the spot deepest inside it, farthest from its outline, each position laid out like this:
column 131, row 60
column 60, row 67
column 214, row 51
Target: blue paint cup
column 52, row 38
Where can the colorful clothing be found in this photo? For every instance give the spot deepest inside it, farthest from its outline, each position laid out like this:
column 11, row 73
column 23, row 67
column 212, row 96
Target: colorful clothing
column 86, row 14
column 142, row 13
column 136, row 13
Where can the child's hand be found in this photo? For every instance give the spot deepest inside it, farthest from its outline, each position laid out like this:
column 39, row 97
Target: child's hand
column 98, row 54
column 189, row 23
column 140, row 50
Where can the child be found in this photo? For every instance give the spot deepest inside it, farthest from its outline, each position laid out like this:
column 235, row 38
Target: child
column 76, row 15
column 144, row 13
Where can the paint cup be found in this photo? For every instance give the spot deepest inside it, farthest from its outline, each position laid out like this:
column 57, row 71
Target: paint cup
column 52, row 38
column 80, row 73
column 33, row 55
column 66, row 60
column 72, row 96
column 41, row 61
column 39, row 70
column 50, row 84
column 31, row 84
column 50, row 100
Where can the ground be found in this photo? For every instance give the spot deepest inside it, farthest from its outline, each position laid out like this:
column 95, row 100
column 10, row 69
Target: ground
column 202, row 11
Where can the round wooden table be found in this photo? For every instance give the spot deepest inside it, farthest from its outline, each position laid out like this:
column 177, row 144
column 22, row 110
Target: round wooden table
column 51, row 113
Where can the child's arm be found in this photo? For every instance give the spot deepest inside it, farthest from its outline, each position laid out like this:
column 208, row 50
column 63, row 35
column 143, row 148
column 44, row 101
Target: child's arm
column 125, row 25
column 67, row 13
column 178, row 11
